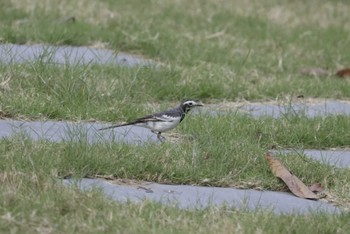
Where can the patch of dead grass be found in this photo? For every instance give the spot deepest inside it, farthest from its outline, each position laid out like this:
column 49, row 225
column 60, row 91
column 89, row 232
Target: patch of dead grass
column 288, row 14
column 295, row 13
column 93, row 12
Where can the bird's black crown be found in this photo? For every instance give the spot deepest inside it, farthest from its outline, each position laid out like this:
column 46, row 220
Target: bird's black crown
column 188, row 104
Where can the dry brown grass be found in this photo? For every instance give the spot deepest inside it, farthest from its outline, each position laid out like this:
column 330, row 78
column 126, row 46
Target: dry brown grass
column 93, row 12
column 295, row 13
column 289, row 14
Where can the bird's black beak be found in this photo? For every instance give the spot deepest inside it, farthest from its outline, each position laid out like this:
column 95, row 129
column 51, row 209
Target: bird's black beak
column 199, row 104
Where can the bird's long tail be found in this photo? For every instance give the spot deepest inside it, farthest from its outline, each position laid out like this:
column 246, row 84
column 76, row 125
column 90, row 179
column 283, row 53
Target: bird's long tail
column 115, row 126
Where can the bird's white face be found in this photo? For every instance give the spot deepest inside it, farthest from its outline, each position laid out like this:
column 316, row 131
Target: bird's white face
column 189, row 104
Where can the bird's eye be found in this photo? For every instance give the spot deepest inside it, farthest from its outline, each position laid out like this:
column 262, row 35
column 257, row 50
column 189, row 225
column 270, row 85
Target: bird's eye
column 190, row 103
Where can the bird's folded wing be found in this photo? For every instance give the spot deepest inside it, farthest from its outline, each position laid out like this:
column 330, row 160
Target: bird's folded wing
column 165, row 118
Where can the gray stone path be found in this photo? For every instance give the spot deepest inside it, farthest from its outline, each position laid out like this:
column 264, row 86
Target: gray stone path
column 338, row 158
column 10, row 53
column 308, row 108
column 326, row 107
column 197, row 197
column 57, row 131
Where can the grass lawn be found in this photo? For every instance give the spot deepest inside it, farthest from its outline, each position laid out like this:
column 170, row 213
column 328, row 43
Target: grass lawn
column 211, row 50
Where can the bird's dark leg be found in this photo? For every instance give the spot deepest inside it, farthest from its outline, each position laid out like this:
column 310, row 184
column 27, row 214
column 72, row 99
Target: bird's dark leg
column 159, row 136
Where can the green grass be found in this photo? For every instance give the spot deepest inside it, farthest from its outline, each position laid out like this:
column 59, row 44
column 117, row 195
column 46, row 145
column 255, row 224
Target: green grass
column 206, row 154
column 191, row 33
column 228, row 51
column 117, row 93
column 32, row 199
column 212, row 50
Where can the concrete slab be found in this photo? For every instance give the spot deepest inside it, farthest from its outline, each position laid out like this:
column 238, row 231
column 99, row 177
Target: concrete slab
column 11, row 54
column 321, row 108
column 197, row 197
column 338, row 158
column 57, row 131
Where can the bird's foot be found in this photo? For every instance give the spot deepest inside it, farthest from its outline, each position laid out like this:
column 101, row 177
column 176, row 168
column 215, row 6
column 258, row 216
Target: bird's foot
column 159, row 136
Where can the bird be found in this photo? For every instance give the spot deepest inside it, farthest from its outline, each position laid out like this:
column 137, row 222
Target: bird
column 162, row 121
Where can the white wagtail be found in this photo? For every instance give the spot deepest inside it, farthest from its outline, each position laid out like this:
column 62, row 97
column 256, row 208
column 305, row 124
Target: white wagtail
column 162, row 121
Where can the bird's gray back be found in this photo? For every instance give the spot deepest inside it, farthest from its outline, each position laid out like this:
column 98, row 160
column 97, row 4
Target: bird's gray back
column 176, row 112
